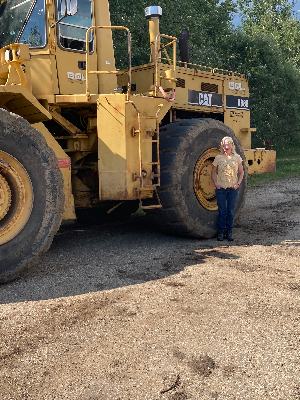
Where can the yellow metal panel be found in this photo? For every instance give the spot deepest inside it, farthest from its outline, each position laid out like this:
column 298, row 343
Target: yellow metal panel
column 71, row 78
column 192, row 81
column 20, row 100
column 125, row 144
column 43, row 74
column 189, row 78
column 104, row 47
column 260, row 161
column 151, row 107
column 112, row 147
column 239, row 122
column 76, row 99
column 142, row 77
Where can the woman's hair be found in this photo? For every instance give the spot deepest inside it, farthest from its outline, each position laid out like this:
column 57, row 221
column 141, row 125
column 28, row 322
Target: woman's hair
column 227, row 139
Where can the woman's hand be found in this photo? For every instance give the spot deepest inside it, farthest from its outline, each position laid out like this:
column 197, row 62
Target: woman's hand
column 236, row 186
column 214, row 177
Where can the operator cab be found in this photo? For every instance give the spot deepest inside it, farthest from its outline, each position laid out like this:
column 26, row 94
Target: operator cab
column 25, row 22
column 56, row 35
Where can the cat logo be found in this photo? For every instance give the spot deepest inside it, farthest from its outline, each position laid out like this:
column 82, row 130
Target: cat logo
column 205, row 99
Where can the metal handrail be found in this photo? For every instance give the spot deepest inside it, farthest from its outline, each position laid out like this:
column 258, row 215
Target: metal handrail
column 220, row 71
column 110, row 27
column 173, row 42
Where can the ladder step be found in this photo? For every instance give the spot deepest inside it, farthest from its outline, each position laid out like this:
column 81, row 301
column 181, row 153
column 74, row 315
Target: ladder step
column 150, row 207
column 71, row 137
column 149, row 188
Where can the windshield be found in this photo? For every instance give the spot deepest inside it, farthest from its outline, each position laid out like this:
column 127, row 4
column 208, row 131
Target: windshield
column 22, row 21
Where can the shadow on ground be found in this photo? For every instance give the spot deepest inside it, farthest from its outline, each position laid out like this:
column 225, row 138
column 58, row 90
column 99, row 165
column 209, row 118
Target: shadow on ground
column 86, row 259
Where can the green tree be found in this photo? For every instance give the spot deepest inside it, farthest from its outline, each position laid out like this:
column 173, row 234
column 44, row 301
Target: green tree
column 266, row 47
column 209, row 23
column 274, row 88
column 275, row 19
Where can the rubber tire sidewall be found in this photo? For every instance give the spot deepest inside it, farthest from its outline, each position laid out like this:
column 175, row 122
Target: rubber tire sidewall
column 198, row 137
column 23, row 142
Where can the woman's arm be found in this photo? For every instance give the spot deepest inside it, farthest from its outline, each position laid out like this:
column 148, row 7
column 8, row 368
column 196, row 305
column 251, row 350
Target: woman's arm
column 240, row 175
column 214, row 176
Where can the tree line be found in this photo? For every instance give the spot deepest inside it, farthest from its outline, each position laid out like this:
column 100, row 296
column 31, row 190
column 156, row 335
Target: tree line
column 265, row 46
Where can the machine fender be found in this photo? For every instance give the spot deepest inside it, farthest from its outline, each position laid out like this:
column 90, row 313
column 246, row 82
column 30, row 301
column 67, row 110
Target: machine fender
column 64, row 163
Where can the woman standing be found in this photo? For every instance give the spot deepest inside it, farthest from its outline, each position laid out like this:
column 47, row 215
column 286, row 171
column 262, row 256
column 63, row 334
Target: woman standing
column 227, row 175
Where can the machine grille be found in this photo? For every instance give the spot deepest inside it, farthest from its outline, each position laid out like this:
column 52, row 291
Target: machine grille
column 209, row 87
column 180, row 83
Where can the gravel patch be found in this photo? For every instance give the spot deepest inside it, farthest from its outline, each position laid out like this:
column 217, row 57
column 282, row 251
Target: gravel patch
column 122, row 312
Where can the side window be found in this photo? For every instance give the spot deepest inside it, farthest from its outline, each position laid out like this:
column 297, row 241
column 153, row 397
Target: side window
column 72, row 29
column 34, row 33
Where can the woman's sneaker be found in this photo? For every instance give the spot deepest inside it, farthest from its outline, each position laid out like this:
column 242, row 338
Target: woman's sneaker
column 229, row 236
column 220, row 236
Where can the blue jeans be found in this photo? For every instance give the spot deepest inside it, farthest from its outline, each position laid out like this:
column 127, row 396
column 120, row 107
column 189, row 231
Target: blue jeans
column 226, row 199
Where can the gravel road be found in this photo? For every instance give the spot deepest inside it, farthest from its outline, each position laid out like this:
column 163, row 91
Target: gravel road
column 122, row 312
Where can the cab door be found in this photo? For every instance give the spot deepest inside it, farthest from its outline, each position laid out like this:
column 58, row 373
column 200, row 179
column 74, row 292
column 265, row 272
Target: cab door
column 71, row 50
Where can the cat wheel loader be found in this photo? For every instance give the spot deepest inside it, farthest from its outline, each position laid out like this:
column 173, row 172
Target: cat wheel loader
column 76, row 132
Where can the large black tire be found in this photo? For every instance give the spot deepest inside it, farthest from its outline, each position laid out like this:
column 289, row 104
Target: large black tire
column 19, row 140
column 181, row 145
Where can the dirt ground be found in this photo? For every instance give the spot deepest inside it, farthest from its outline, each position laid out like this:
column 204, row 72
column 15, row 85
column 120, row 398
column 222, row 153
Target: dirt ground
column 123, row 312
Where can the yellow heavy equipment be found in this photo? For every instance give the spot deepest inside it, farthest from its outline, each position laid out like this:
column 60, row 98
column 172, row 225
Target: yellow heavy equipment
column 76, row 132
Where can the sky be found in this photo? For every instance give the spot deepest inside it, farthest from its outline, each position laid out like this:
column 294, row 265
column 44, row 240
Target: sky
column 297, row 9
column 237, row 18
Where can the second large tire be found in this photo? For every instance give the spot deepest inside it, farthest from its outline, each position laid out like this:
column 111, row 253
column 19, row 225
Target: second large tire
column 182, row 144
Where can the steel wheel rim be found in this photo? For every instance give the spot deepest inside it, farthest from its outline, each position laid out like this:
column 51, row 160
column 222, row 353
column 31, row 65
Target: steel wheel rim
column 203, row 185
column 16, row 197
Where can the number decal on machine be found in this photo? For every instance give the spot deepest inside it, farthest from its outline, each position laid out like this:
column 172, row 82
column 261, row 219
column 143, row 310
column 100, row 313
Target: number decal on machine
column 76, row 76
column 235, row 85
column 237, row 102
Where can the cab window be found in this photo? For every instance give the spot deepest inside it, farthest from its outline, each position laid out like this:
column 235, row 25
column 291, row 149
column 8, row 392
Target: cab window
column 72, row 29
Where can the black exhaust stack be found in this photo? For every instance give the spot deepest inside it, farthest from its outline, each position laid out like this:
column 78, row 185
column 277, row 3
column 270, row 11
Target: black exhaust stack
column 183, row 44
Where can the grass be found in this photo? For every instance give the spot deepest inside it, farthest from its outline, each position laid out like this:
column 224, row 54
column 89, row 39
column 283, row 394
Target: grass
column 287, row 166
